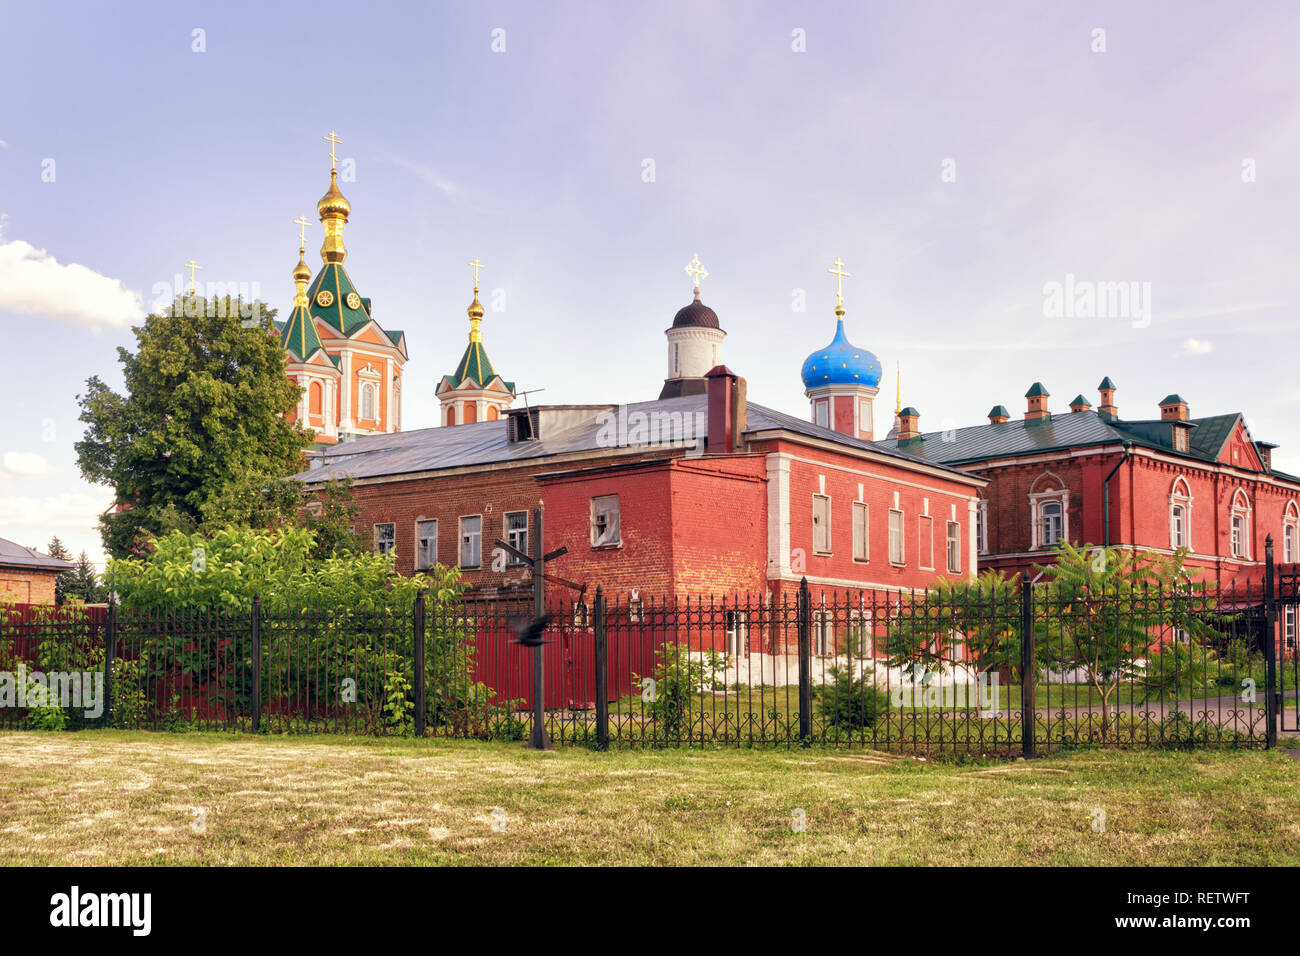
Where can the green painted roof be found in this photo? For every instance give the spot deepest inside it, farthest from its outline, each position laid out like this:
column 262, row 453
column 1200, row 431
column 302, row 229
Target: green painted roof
column 1036, row 389
column 1077, row 430
column 474, row 367
column 909, row 410
column 1079, row 400
column 334, row 279
column 1106, row 383
column 299, row 335
column 1172, row 400
column 999, row 411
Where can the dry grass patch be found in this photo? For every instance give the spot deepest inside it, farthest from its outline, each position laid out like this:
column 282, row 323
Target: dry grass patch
column 139, row 798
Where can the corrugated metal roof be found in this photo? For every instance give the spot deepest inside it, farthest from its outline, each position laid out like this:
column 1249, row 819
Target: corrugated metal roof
column 14, row 555
column 485, row 443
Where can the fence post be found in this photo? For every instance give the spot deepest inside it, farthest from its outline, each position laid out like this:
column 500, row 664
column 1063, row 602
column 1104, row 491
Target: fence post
column 1272, row 695
column 805, row 663
column 419, row 663
column 257, row 663
column 110, row 650
column 1028, row 671
column 602, row 675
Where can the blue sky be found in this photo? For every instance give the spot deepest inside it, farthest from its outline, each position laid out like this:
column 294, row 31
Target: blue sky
column 1169, row 159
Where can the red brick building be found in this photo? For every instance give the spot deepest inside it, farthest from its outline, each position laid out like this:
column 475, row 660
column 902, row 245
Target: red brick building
column 27, row 576
column 1154, row 484
column 689, row 496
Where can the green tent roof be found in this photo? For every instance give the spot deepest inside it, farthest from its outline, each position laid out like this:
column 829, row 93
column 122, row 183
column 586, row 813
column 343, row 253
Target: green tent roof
column 299, row 335
column 334, row 279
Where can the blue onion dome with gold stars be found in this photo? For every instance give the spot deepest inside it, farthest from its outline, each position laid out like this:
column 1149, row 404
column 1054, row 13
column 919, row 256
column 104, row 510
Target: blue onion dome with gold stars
column 841, row 362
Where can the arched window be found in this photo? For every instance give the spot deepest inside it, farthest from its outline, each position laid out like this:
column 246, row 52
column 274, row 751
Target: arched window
column 1049, row 511
column 471, row 413
column 1240, row 525
column 1291, row 533
column 493, row 414
column 1180, row 515
column 451, row 414
column 369, row 400
column 316, row 401
column 1049, row 524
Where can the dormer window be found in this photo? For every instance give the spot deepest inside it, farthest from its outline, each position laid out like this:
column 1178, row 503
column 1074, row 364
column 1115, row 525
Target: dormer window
column 1180, row 438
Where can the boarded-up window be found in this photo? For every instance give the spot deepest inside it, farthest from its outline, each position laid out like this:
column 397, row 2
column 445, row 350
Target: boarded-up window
column 821, row 524
column 861, row 549
column 896, row 552
column 925, row 541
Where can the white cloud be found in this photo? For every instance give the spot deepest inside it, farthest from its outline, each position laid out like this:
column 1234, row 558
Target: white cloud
column 26, row 464
column 1197, row 347
column 35, row 283
column 72, row 515
column 3, row 144
column 426, row 173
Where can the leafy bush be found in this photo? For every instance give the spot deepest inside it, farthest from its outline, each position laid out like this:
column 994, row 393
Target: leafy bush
column 677, row 678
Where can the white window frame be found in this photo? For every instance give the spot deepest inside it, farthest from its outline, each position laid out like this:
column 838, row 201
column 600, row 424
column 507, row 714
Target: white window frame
column 603, row 539
column 392, row 542
column 897, row 538
column 1037, row 501
column 923, row 521
column 1239, row 545
column 420, row 538
column 826, row 534
column 512, row 537
column 1180, row 496
column 952, row 546
column 1291, row 533
column 1289, row 627
column 822, row 410
column 370, row 395
column 982, row 527
column 464, row 538
column 823, row 632
column 737, row 631
column 861, row 535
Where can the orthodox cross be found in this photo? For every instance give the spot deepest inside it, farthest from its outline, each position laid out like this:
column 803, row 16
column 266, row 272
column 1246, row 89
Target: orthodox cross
column 476, row 266
column 333, row 141
column 302, row 224
column 837, row 270
column 696, row 271
column 192, row 265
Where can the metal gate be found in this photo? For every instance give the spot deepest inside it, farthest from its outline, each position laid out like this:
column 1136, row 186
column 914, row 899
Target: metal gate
column 1284, row 663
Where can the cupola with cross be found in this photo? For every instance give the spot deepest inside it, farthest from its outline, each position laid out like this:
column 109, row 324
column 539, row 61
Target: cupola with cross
column 842, row 380
column 474, row 392
column 349, row 367
column 694, row 342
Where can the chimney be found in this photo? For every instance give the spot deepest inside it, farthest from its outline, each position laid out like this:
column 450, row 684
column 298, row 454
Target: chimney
column 1037, row 407
column 998, row 414
column 739, row 414
column 1173, row 408
column 1265, row 450
column 1080, row 404
column 1107, row 406
column 721, row 385
column 909, row 424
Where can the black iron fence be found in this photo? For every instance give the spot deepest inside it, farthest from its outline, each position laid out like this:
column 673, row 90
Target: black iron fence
column 1017, row 670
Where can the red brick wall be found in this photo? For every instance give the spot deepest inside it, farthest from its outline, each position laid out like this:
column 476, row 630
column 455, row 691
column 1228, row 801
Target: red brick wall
column 27, row 586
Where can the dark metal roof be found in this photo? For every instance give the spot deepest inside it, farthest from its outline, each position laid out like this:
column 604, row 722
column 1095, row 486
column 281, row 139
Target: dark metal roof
column 486, row 443
column 964, row 446
column 14, row 555
column 697, row 315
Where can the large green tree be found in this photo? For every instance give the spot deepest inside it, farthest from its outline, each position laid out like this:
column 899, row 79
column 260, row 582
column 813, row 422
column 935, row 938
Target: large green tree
column 204, row 404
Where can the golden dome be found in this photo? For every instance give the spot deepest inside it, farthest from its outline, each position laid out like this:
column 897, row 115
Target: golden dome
column 301, row 272
column 475, row 309
column 334, row 203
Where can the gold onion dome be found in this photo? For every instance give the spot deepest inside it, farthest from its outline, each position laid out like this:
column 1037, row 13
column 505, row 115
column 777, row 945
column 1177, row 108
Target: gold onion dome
column 334, row 203
column 302, row 272
column 475, row 309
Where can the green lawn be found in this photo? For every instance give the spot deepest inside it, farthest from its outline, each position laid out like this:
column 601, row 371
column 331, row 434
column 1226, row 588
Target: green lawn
column 115, row 797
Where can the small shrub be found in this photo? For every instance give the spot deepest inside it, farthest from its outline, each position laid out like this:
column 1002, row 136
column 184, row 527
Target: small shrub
column 850, row 701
